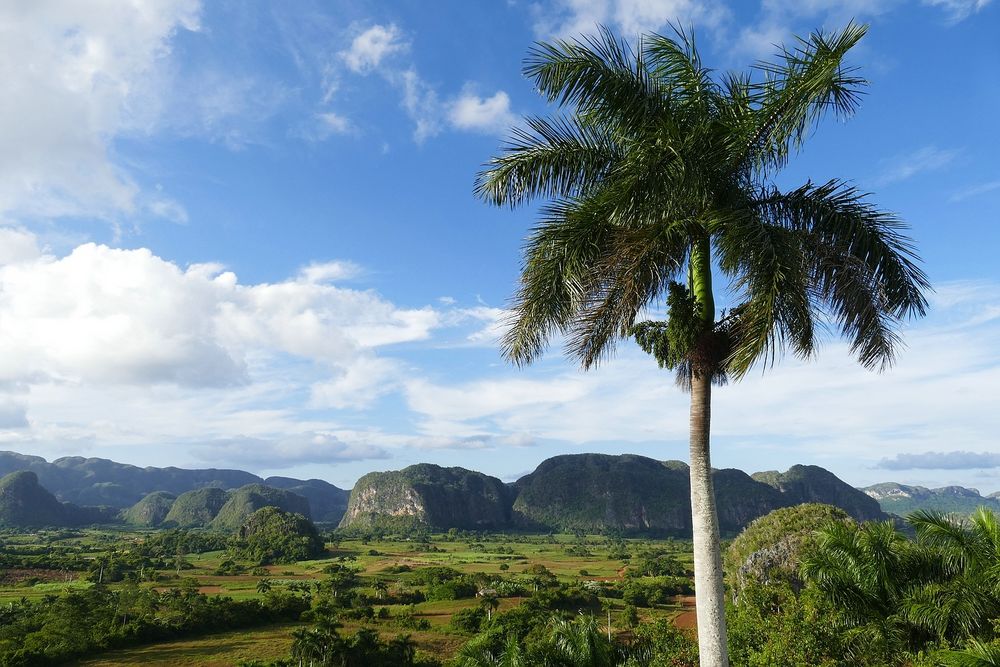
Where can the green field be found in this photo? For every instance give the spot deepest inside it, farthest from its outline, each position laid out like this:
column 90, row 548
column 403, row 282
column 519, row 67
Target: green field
column 571, row 559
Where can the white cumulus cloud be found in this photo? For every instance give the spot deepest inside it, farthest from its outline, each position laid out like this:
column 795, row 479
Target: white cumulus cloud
column 370, row 47
column 108, row 315
column 104, row 350
column 73, row 74
column 490, row 114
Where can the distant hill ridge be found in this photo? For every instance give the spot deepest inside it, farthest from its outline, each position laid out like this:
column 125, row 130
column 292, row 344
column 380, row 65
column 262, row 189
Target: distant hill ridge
column 589, row 492
column 102, row 482
column 903, row 499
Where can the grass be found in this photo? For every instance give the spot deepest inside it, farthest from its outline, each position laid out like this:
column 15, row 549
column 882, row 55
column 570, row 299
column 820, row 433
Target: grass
column 217, row 650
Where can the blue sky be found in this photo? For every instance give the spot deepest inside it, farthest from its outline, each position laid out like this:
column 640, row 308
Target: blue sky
column 243, row 235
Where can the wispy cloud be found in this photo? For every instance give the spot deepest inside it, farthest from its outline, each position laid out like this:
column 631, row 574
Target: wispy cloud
column 956, row 460
column 975, row 191
column 570, row 18
column 371, row 52
column 778, row 20
column 924, row 160
column 288, row 452
column 420, row 100
column 334, row 123
column 958, row 10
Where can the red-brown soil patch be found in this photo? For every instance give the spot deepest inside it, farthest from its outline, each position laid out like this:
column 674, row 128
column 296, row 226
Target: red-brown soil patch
column 16, row 576
column 210, row 590
column 687, row 619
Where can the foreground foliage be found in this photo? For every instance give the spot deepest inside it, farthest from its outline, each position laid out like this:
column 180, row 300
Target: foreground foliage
column 874, row 596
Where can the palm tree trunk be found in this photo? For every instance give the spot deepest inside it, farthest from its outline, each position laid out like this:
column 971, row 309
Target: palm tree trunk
column 709, row 594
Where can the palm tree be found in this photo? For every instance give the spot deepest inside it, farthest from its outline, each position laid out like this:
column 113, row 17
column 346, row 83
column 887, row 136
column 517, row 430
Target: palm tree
column 965, row 594
column 659, row 170
column 580, row 643
column 305, row 646
column 264, row 586
column 380, row 588
column 868, row 572
column 478, row 653
column 401, row 650
column 490, row 602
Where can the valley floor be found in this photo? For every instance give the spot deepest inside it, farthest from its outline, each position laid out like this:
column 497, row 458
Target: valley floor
column 574, row 560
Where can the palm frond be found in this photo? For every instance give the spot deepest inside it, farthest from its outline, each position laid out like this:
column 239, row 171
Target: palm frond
column 557, row 274
column 949, row 610
column 600, row 75
column 556, row 157
column 677, row 64
column 977, row 654
column 863, row 269
column 987, row 526
column 772, row 278
column 808, row 81
column 637, row 266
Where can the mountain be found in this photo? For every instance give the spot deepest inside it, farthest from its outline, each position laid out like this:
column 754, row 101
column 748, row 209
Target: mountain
column 26, row 503
column 771, row 547
column 812, row 484
column 740, row 499
column 196, row 508
column 327, row 503
column 902, row 499
column 431, row 496
column 246, row 500
column 270, row 535
column 591, row 493
column 629, row 493
column 151, row 510
column 594, row 492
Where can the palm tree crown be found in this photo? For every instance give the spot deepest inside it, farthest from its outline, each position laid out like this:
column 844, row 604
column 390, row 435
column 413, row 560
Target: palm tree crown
column 658, row 165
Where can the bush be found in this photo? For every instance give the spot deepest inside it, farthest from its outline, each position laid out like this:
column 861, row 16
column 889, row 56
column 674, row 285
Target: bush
column 469, row 620
column 456, row 589
column 647, row 591
column 657, row 564
column 434, row 575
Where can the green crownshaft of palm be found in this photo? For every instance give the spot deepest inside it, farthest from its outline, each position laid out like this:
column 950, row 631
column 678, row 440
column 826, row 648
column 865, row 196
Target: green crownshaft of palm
column 657, row 176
